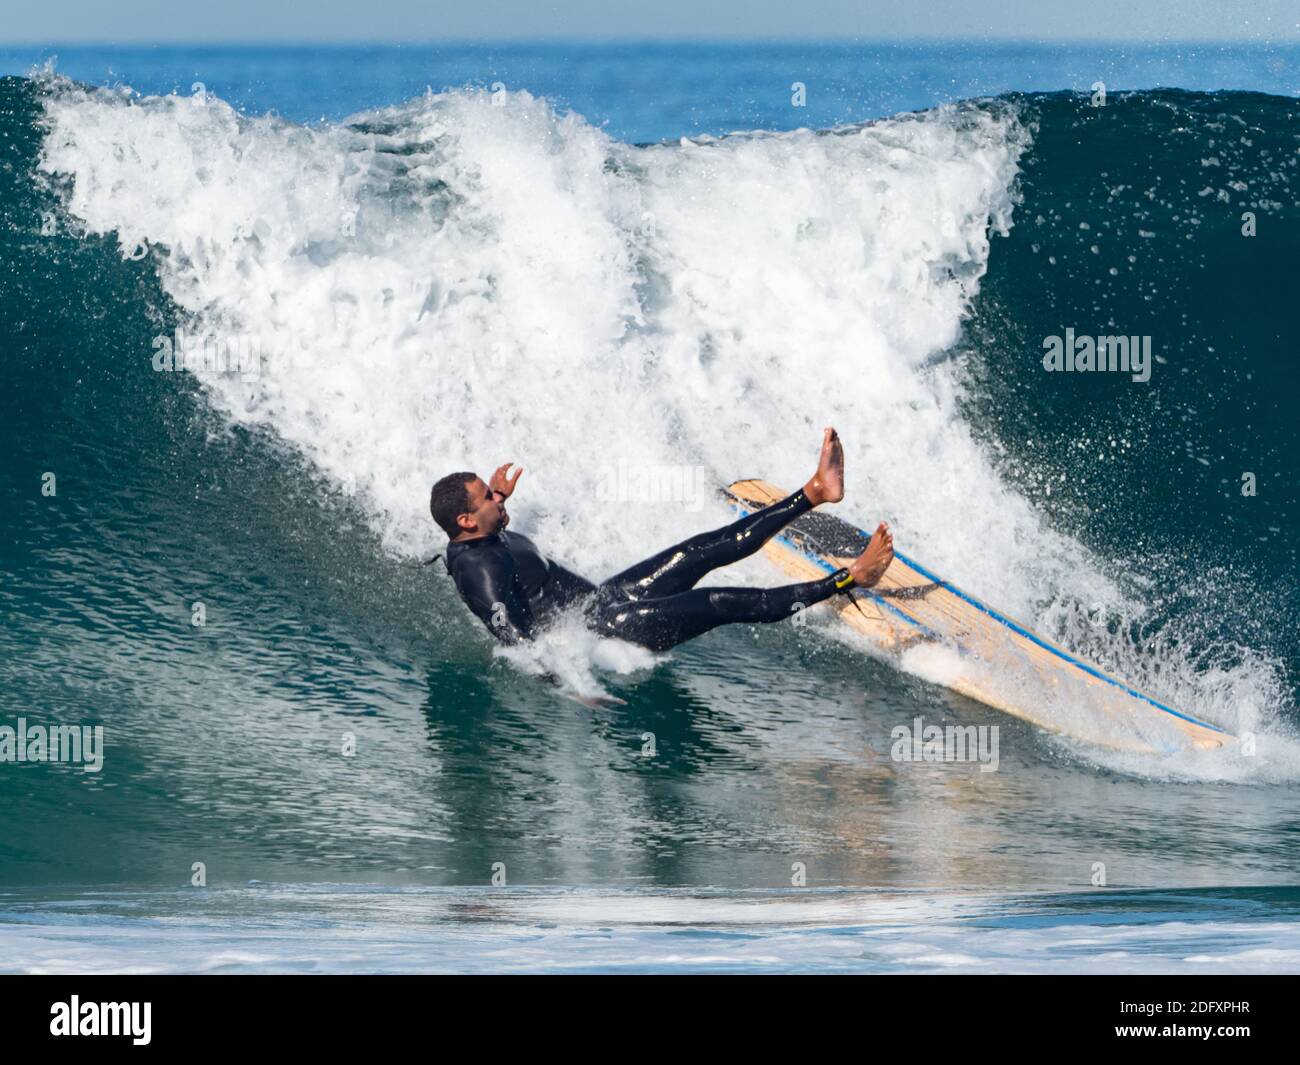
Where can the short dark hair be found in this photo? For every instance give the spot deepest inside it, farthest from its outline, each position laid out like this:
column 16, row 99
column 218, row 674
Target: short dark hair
column 449, row 500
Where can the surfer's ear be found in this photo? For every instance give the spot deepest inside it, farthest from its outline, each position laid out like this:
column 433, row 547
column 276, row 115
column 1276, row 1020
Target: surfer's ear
column 449, row 502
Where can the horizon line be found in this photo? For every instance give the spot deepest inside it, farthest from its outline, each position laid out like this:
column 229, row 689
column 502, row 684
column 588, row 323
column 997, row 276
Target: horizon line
column 546, row 39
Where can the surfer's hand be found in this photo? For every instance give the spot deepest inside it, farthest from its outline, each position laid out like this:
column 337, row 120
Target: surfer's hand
column 503, row 484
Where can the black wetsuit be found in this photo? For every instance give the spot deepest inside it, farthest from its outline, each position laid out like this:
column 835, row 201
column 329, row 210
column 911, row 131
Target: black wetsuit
column 513, row 588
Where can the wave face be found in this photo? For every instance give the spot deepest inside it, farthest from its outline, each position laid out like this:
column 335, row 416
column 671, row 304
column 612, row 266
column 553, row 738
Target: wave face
column 470, row 278
column 1134, row 222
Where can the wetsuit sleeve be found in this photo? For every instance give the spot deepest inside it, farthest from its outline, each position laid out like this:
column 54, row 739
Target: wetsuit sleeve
column 492, row 593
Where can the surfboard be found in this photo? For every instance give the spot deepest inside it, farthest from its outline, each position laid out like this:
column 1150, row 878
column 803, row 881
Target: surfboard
column 949, row 637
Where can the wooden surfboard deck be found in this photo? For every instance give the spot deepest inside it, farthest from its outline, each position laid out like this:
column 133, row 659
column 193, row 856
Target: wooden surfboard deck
column 977, row 651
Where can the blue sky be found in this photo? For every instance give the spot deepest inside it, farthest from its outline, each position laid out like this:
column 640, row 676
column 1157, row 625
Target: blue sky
column 342, row 21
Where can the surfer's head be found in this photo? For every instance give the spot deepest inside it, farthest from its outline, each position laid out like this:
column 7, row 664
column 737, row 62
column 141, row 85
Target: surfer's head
column 466, row 508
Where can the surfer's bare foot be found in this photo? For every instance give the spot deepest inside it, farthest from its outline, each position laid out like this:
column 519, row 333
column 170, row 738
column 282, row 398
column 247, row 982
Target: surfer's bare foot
column 870, row 566
column 827, row 484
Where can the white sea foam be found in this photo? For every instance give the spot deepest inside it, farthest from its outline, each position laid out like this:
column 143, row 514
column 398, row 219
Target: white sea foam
column 459, row 283
column 323, row 928
column 570, row 653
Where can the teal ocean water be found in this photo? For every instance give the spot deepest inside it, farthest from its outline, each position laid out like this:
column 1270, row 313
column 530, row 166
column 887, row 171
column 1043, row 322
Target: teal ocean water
column 598, row 260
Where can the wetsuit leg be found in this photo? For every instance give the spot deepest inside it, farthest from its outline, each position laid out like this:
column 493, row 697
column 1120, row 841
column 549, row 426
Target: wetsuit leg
column 665, row 621
column 681, row 566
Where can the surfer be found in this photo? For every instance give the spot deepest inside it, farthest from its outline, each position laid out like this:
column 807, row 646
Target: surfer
column 513, row 588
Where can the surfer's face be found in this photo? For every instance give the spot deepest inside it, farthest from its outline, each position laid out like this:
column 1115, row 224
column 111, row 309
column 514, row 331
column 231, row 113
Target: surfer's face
column 487, row 508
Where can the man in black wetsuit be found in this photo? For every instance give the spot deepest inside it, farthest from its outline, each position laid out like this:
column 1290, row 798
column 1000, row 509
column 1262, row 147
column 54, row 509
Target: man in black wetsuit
column 514, row 589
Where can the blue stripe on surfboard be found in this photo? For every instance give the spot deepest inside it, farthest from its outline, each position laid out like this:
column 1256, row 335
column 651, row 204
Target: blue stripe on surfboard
column 1065, row 656
column 1020, row 630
